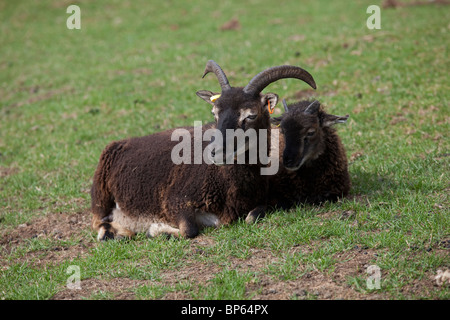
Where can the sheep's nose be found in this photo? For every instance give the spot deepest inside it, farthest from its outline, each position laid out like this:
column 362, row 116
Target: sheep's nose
column 213, row 153
column 289, row 162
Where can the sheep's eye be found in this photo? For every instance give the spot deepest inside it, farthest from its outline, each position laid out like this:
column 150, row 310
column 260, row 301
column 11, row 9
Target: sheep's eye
column 252, row 117
column 311, row 133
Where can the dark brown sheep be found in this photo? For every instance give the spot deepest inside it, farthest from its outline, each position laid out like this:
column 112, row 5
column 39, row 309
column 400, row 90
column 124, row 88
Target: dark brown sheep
column 137, row 187
column 314, row 160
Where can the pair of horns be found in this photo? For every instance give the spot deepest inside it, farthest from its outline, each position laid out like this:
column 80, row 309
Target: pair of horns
column 262, row 79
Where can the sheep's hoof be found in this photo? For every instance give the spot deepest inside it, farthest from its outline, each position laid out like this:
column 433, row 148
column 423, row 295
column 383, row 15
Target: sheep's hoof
column 105, row 232
column 109, row 231
column 255, row 215
column 250, row 219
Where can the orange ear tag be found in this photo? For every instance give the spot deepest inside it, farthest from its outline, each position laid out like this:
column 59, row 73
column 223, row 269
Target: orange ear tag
column 268, row 107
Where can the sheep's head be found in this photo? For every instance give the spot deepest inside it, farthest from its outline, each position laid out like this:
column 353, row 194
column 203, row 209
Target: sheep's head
column 246, row 107
column 304, row 126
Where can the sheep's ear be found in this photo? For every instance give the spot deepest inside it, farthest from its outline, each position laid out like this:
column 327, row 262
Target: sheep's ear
column 269, row 101
column 313, row 108
column 328, row 120
column 208, row 96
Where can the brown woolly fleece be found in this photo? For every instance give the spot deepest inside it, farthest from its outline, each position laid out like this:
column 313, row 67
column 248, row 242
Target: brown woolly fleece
column 139, row 174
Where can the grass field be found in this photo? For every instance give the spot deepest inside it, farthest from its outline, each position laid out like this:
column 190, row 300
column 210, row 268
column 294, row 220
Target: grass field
column 133, row 69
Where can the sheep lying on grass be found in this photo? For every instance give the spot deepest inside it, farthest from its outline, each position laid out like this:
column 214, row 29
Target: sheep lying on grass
column 315, row 167
column 137, row 187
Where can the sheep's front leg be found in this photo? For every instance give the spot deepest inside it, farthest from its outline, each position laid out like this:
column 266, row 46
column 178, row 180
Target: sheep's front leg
column 257, row 213
column 108, row 229
column 160, row 228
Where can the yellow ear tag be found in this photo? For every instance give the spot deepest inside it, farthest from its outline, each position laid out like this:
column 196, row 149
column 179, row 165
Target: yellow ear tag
column 214, row 98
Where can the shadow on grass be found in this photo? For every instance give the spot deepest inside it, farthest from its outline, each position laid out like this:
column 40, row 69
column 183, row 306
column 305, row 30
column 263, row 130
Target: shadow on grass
column 373, row 185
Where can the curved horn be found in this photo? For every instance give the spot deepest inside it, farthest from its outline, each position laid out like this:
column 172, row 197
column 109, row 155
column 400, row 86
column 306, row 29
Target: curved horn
column 285, row 105
column 212, row 66
column 266, row 77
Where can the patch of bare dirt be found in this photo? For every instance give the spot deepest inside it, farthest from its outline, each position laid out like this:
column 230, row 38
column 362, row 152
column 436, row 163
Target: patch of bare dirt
column 54, row 226
column 40, row 97
column 306, row 94
column 315, row 284
column 118, row 288
column 354, row 156
column 4, row 171
column 232, row 24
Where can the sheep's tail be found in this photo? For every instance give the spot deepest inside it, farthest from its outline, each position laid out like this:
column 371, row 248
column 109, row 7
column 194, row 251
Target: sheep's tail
column 102, row 205
column 102, row 200
column 102, row 221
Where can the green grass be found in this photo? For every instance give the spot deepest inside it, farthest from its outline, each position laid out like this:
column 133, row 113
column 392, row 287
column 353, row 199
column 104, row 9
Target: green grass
column 133, row 69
